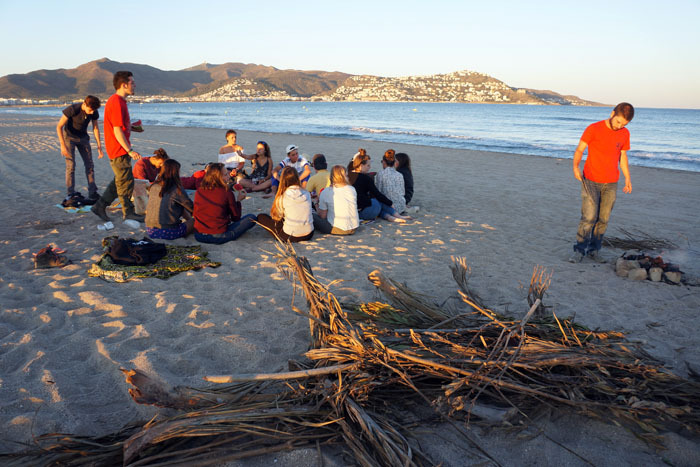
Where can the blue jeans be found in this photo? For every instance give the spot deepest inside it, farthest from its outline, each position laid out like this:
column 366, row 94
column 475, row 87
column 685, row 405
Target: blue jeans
column 597, row 201
column 376, row 209
column 83, row 146
column 234, row 230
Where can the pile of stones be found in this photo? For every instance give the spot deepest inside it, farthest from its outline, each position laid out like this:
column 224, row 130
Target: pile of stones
column 644, row 267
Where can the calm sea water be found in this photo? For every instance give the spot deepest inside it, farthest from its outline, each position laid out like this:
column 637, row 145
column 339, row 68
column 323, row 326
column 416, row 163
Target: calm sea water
column 667, row 138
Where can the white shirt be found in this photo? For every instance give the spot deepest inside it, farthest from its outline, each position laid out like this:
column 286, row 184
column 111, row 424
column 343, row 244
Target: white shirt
column 231, row 159
column 299, row 164
column 341, row 204
column 298, row 219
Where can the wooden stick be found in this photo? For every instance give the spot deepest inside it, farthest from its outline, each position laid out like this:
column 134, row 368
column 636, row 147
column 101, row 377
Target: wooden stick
column 222, row 379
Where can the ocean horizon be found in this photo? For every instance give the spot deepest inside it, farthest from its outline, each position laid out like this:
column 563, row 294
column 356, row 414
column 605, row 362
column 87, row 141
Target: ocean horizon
column 663, row 138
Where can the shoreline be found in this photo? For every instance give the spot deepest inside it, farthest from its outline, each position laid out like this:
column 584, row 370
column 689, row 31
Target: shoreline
column 64, row 335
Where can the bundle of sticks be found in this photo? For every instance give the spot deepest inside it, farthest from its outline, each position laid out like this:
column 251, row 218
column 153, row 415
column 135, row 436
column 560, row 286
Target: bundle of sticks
column 368, row 361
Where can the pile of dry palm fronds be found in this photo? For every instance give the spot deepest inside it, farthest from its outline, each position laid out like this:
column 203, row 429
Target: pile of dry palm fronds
column 368, row 361
column 637, row 241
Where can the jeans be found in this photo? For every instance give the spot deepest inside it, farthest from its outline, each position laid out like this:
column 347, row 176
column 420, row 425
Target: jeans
column 83, row 146
column 597, row 201
column 376, row 209
column 122, row 185
column 234, row 230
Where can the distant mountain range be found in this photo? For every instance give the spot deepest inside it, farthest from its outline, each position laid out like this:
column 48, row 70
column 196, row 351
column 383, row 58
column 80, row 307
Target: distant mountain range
column 244, row 82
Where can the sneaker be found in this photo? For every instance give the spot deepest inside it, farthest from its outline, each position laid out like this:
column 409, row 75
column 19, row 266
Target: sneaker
column 99, row 210
column 576, row 257
column 595, row 256
column 134, row 217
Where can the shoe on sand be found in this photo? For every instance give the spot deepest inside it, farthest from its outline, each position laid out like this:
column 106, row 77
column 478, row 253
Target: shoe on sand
column 576, row 257
column 49, row 257
column 595, row 256
column 99, row 210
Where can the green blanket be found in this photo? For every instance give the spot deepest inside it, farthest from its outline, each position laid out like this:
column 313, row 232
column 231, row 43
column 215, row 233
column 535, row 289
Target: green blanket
column 178, row 259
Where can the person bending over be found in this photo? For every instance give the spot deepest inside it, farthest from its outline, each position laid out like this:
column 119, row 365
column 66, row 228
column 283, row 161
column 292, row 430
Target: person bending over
column 167, row 204
column 390, row 182
column 72, row 134
column 370, row 201
column 337, row 206
column 290, row 218
column 217, row 215
column 148, row 168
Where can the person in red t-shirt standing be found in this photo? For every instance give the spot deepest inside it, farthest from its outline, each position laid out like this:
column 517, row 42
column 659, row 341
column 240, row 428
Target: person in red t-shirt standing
column 608, row 142
column 118, row 128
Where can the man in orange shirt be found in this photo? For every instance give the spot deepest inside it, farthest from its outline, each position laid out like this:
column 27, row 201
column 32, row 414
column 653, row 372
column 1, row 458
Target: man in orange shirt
column 608, row 142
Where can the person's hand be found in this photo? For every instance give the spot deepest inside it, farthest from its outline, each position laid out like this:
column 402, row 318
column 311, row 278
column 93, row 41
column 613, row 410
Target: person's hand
column 64, row 152
column 577, row 174
column 628, row 187
column 135, row 155
column 237, row 148
column 102, row 154
column 241, row 196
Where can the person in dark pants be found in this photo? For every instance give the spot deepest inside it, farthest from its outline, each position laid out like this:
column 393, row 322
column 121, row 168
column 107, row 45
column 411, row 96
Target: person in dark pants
column 118, row 130
column 608, row 142
column 72, row 135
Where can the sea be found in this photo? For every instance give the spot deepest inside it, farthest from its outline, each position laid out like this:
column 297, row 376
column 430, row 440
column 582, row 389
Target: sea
column 667, row 138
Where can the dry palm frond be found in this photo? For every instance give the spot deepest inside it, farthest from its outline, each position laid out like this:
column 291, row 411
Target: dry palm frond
column 637, row 241
column 369, row 360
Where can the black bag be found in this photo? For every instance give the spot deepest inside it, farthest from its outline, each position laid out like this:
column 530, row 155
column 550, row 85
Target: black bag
column 132, row 252
column 76, row 200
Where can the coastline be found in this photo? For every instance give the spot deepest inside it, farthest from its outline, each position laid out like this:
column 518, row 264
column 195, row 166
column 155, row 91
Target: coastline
column 65, row 335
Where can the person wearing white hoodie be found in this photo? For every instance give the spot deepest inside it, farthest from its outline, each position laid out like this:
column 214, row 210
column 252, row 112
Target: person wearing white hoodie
column 290, row 218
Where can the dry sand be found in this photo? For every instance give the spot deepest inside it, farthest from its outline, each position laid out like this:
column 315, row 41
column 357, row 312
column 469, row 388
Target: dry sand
column 64, row 336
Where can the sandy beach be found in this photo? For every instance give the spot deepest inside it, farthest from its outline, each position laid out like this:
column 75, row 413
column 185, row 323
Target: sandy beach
column 64, row 336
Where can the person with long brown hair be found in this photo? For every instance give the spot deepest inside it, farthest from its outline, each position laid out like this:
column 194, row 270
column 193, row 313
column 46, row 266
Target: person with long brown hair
column 167, row 204
column 260, row 178
column 290, row 217
column 370, row 201
column 217, row 214
column 337, row 206
column 390, row 182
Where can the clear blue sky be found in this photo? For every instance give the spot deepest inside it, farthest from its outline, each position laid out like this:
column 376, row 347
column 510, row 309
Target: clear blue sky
column 644, row 52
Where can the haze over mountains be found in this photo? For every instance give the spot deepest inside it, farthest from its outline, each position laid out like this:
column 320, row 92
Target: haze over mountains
column 242, row 82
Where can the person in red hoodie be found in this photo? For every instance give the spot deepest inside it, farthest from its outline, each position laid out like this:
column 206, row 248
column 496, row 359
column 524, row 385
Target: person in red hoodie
column 608, row 142
column 217, row 214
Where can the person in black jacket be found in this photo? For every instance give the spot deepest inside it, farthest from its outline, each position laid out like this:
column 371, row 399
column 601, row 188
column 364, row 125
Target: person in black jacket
column 370, row 201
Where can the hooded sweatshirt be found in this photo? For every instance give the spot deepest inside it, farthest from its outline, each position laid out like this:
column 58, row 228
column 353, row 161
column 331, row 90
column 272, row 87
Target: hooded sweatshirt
column 296, row 204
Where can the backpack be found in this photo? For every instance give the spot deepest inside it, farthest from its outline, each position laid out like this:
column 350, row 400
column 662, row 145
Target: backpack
column 132, row 252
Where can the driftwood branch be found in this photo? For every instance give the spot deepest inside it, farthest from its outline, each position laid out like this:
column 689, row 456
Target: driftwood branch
column 221, row 379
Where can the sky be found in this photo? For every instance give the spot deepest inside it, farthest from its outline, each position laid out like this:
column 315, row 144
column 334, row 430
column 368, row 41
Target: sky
column 643, row 52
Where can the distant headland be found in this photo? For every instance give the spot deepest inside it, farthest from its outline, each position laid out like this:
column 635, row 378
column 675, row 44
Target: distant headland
column 237, row 82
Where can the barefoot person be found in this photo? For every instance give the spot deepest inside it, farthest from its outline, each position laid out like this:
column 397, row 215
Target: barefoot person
column 72, row 134
column 118, row 128
column 260, row 178
column 608, row 142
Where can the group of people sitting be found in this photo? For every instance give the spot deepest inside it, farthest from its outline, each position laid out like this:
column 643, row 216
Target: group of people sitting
column 330, row 202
